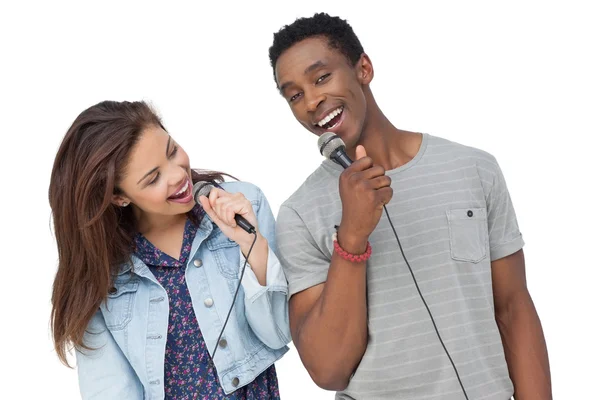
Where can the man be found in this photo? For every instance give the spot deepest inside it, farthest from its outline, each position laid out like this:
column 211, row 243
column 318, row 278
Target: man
column 449, row 315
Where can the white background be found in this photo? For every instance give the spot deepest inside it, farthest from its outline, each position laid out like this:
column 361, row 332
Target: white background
column 518, row 79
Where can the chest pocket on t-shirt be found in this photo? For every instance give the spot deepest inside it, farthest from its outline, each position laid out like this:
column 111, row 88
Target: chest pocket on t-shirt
column 468, row 234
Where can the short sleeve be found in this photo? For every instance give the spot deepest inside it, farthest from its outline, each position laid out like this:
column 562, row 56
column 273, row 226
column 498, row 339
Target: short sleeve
column 304, row 264
column 504, row 235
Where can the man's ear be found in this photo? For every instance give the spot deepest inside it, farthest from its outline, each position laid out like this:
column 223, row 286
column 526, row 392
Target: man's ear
column 364, row 69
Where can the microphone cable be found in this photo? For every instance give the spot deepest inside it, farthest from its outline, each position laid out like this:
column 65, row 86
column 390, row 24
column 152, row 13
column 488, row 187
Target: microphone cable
column 235, row 295
column 332, row 147
column 425, row 303
column 203, row 188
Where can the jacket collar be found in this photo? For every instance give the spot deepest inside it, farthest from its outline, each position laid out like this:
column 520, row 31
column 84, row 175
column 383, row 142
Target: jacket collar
column 139, row 268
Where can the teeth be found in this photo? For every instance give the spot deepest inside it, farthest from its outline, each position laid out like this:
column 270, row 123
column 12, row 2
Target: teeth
column 183, row 189
column 330, row 116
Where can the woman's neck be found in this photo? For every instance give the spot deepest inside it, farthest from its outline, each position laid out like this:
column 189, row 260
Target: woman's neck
column 148, row 224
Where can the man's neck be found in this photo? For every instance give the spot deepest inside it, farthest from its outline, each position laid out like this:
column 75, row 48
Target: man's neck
column 385, row 144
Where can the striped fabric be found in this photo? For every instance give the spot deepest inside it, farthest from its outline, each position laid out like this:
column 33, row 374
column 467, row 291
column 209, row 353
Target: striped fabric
column 453, row 214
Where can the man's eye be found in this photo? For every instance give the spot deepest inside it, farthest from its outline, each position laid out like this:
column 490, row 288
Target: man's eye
column 321, row 79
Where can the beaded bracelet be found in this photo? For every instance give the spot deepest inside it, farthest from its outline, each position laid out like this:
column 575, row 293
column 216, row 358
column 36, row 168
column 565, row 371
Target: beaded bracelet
column 349, row 256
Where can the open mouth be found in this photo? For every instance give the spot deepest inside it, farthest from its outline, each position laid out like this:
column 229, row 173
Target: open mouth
column 183, row 194
column 332, row 119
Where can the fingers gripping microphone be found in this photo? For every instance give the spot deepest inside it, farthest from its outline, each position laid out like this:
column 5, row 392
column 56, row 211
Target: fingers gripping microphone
column 203, row 188
column 333, row 148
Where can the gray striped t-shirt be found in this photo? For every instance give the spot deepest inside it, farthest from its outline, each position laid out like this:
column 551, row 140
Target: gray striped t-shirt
column 454, row 216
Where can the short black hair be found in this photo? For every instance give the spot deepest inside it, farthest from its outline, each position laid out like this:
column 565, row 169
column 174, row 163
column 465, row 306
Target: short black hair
column 338, row 31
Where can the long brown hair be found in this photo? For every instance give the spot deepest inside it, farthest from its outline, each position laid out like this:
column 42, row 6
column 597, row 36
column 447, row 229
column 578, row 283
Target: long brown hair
column 93, row 235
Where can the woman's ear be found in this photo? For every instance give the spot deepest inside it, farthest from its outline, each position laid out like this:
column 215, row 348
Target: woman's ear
column 120, row 201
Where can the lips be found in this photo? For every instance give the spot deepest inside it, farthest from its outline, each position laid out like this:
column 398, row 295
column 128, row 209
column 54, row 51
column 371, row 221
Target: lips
column 183, row 194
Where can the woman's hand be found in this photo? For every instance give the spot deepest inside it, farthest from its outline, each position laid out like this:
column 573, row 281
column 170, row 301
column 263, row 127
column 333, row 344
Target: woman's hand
column 222, row 206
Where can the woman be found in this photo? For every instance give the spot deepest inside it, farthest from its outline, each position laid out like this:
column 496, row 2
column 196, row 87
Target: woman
column 146, row 277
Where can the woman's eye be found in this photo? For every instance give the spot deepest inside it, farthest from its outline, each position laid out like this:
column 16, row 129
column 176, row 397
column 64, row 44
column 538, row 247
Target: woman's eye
column 153, row 181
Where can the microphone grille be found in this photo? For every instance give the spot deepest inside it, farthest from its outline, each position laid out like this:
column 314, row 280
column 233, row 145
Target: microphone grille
column 328, row 143
column 202, row 188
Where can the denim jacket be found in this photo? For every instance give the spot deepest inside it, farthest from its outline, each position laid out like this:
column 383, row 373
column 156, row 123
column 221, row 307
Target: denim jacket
column 129, row 331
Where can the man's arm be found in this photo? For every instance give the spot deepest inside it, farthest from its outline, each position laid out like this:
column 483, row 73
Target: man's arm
column 329, row 321
column 521, row 330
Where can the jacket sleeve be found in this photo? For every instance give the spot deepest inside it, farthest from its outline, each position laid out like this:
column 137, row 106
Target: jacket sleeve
column 104, row 372
column 267, row 306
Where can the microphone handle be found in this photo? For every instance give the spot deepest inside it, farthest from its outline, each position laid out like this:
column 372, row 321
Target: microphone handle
column 340, row 156
column 244, row 224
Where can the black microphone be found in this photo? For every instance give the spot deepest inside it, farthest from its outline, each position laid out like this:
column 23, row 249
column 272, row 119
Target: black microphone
column 334, row 148
column 203, row 188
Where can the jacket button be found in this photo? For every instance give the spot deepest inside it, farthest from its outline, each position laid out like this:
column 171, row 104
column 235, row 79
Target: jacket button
column 223, row 342
column 235, row 382
column 198, row 263
column 112, row 290
column 209, row 302
column 469, row 213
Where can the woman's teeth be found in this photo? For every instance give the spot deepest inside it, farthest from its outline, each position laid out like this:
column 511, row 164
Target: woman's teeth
column 182, row 191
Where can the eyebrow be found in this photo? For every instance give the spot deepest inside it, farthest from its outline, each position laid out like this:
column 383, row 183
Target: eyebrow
column 316, row 65
column 148, row 174
column 153, row 170
column 313, row 66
